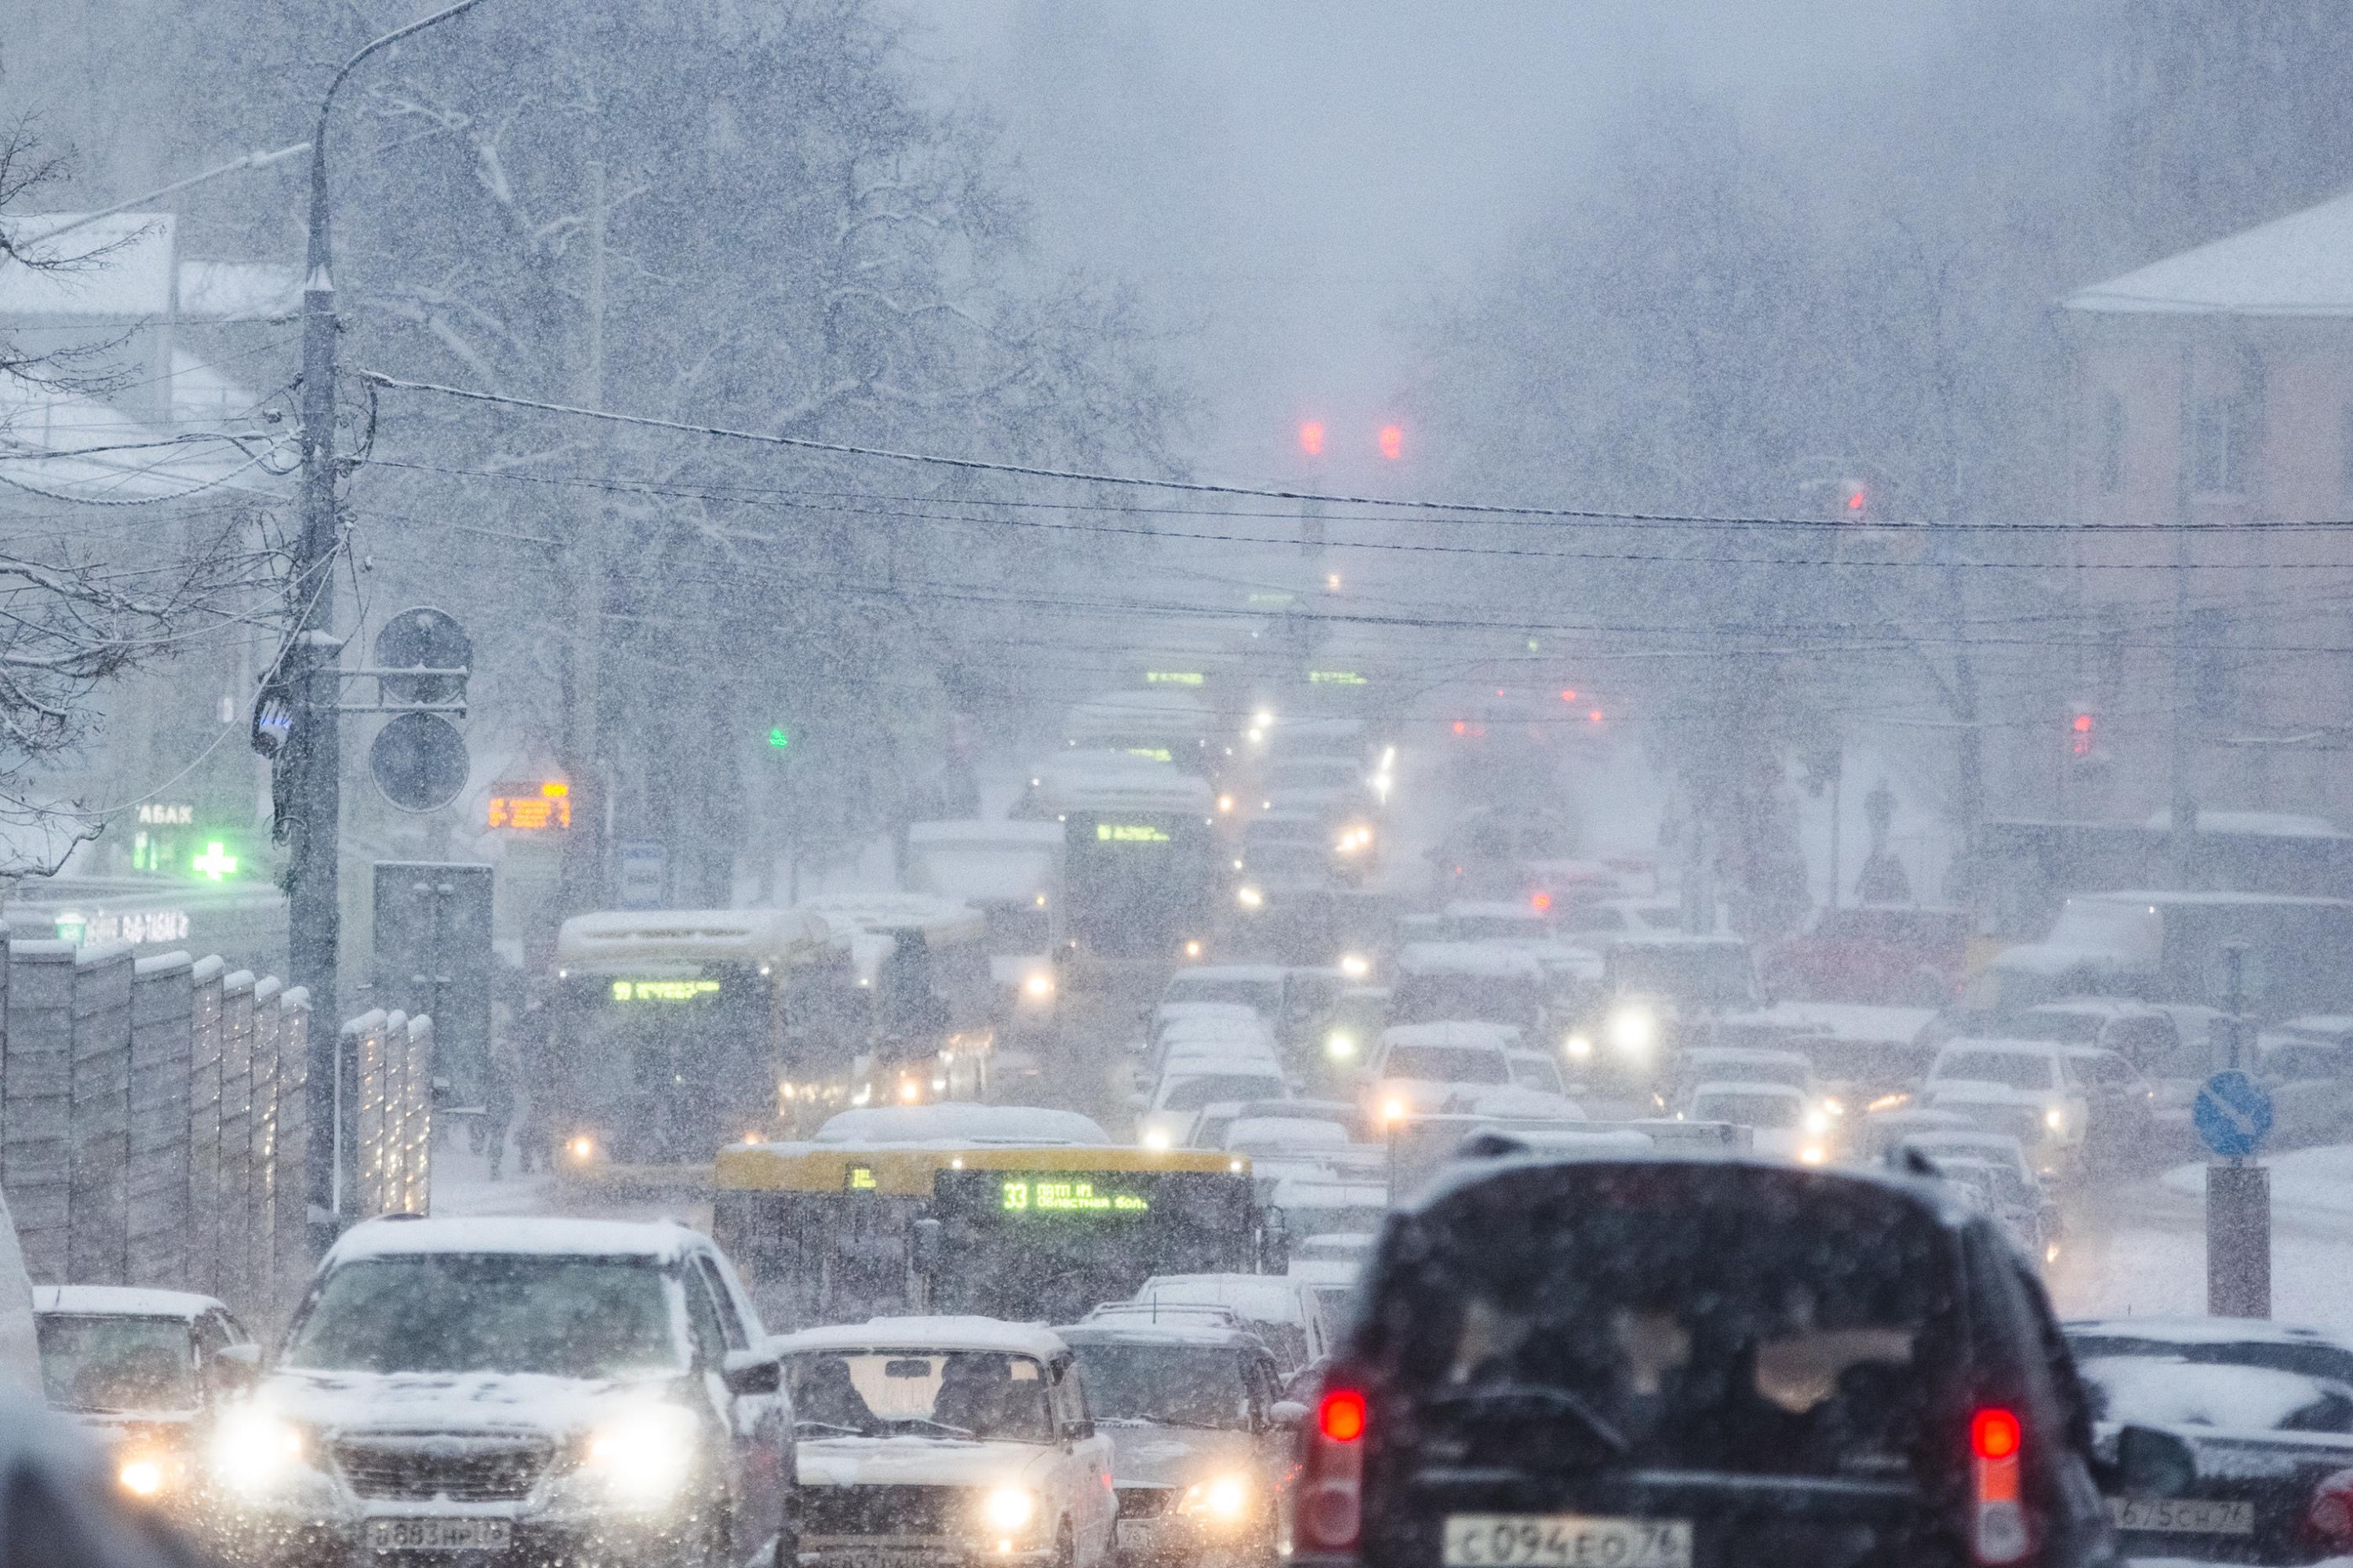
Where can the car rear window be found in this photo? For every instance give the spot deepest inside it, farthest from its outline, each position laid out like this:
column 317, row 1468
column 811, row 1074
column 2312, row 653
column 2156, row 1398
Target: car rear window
column 1192, row 1094
column 1699, row 1317
column 1748, row 1110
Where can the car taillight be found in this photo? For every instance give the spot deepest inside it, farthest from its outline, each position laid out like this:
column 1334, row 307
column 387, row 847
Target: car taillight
column 1331, row 1483
column 2329, row 1519
column 1997, row 1532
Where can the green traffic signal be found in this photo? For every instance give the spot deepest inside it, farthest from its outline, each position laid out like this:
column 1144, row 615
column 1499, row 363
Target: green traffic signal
column 779, row 738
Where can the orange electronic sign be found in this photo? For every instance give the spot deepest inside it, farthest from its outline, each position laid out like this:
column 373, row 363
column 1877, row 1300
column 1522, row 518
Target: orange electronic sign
column 534, row 805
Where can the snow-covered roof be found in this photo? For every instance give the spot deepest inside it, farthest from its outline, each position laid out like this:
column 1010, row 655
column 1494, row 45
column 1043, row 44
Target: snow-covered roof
column 1142, row 1330
column 128, row 278
column 240, row 290
column 1104, row 782
column 1854, row 1021
column 2300, row 265
column 89, row 450
column 1744, row 1056
column 1460, row 1034
column 945, row 1333
column 954, row 1122
column 1252, row 974
column 1257, row 1134
column 539, row 1236
column 939, row 919
column 2200, row 1330
column 1494, row 961
column 1674, row 939
column 1268, row 1297
column 620, row 939
column 1160, row 711
column 1493, row 910
column 121, row 1301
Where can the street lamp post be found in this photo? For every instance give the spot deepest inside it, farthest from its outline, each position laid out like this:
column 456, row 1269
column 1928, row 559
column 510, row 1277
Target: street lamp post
column 310, row 804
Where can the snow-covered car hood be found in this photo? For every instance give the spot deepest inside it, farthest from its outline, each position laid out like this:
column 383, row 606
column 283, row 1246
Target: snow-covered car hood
column 454, row 1401
column 1976, row 1092
column 1144, row 1453
column 1482, row 1099
column 920, row 1461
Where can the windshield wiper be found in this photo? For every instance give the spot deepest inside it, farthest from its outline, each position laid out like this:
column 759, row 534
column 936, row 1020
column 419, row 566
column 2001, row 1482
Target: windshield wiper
column 1506, row 1401
column 801, row 1427
column 934, row 1425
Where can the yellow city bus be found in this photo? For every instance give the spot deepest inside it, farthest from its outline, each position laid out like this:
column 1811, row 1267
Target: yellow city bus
column 1020, row 1226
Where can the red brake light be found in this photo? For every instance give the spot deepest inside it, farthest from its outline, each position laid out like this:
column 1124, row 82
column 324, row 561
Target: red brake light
column 1539, row 902
column 1341, row 1416
column 1993, row 1434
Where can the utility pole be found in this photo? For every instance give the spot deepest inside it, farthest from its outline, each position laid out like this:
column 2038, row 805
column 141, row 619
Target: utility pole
column 584, row 880
column 309, row 793
column 2181, row 815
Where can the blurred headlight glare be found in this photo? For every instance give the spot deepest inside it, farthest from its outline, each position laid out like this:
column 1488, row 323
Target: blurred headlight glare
column 1009, row 1507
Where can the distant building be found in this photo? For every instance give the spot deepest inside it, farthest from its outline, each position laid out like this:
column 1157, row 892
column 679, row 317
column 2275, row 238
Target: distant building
column 2214, row 390
column 175, row 432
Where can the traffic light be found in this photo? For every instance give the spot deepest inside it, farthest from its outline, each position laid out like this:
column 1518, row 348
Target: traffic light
column 1392, row 442
column 2080, row 730
column 1311, row 437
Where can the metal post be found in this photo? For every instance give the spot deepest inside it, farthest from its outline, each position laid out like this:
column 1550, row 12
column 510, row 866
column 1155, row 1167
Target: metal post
column 583, row 880
column 2181, row 817
column 312, row 801
column 2238, row 1194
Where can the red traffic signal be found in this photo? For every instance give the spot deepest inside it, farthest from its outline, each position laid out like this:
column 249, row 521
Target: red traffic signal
column 1311, row 437
column 1392, row 442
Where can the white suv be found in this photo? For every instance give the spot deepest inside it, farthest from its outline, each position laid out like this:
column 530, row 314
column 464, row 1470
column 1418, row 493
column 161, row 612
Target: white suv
column 536, row 1389
column 2021, row 1087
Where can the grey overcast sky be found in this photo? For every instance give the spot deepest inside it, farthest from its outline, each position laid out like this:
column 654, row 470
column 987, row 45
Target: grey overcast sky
column 1290, row 176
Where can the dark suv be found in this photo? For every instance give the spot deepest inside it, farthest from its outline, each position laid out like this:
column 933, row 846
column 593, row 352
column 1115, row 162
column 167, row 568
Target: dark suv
column 1663, row 1363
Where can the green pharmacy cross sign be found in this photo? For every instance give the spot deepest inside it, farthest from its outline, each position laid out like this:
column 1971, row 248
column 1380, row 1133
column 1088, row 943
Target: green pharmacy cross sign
column 215, row 862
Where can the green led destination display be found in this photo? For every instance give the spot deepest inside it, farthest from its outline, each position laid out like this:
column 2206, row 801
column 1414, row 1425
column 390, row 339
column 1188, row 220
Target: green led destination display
column 1172, row 677
column 1129, row 833
column 1033, row 1195
column 662, row 990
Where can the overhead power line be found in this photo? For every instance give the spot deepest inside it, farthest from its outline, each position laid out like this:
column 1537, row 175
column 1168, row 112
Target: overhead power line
column 1202, row 487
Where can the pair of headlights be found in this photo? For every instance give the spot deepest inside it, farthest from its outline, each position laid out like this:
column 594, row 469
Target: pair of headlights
column 642, row 1457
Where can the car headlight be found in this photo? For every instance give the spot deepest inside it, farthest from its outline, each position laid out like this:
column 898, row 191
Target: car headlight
column 644, row 1456
column 1355, row 966
column 1039, row 985
column 142, row 1475
column 2055, row 1119
column 253, row 1449
column 1633, row 1029
column 1812, row 1154
column 1339, row 1045
column 1008, row 1508
column 1818, row 1122
column 1223, row 1499
column 1577, row 1047
column 1249, row 897
column 1156, row 1139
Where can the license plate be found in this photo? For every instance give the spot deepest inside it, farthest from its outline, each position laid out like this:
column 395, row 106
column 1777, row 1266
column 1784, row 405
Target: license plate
column 439, row 1534
column 2183, row 1516
column 1565, row 1541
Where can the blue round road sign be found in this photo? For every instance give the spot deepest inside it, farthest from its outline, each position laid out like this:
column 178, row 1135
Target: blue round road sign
column 2232, row 1113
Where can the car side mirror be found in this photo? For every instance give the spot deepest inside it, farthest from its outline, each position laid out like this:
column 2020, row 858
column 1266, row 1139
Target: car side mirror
column 752, row 1371
column 1078, row 1430
column 237, row 1368
column 2153, row 1464
column 926, row 1246
column 1287, row 1414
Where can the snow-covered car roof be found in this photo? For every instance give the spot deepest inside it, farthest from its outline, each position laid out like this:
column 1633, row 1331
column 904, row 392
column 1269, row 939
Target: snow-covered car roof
column 661, row 1241
column 121, row 1301
column 2096, row 1007
column 1198, row 1332
column 2002, row 1046
column 2158, row 1390
column 1494, row 909
column 1251, row 1027
column 1854, row 1021
column 956, row 1333
column 1461, row 1035
column 632, row 938
column 1266, row 1298
column 1170, row 1012
column 1220, row 1065
column 1268, row 1134
column 1676, row 939
column 1933, row 1142
column 1497, row 960
column 960, row 1122
column 1978, row 1092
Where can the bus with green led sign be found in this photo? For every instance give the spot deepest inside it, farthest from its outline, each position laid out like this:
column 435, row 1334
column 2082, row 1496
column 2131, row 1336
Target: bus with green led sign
column 1139, row 854
column 829, row 1233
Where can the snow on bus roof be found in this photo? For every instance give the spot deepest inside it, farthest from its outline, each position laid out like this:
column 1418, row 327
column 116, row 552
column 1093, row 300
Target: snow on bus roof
column 979, row 833
column 539, row 1236
column 700, row 936
column 915, row 1334
column 939, row 919
column 1091, row 780
column 958, row 1122
column 121, row 1301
